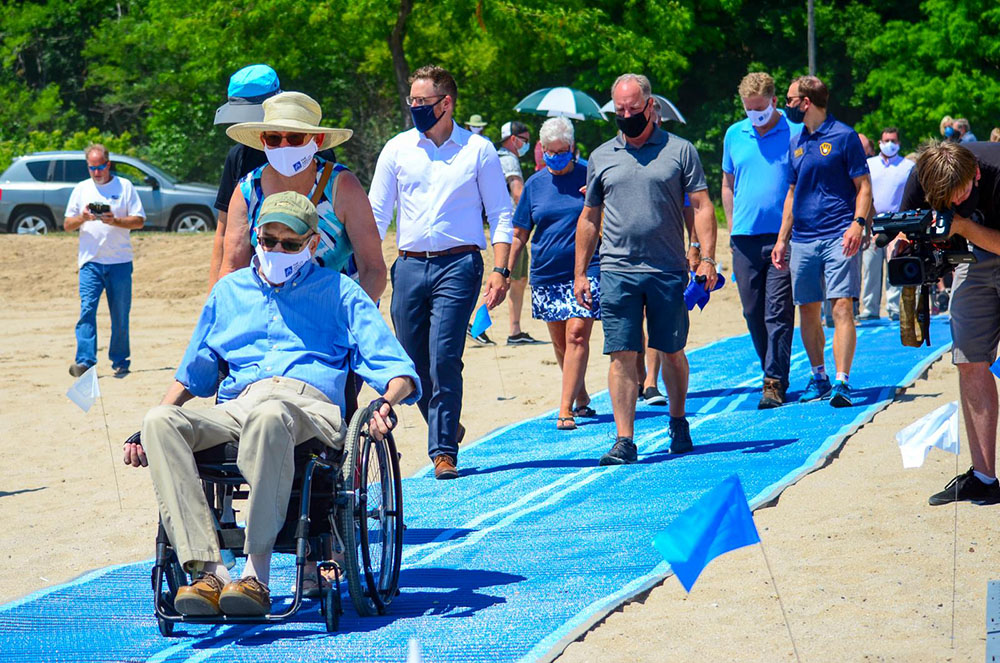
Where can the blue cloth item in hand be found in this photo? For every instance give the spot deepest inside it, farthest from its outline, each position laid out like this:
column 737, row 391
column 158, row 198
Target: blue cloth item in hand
column 695, row 292
column 481, row 322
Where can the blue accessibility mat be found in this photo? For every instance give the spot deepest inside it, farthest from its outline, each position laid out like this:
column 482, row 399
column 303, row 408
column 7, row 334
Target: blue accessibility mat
column 533, row 545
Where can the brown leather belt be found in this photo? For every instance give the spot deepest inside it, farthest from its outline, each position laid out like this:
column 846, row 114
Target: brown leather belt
column 466, row 248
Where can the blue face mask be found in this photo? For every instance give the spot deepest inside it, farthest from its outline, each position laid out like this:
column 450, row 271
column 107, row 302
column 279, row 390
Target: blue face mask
column 521, row 151
column 949, row 132
column 424, row 117
column 557, row 161
column 795, row 114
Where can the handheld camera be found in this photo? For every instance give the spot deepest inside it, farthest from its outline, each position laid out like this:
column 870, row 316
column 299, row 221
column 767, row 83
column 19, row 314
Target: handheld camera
column 98, row 209
column 930, row 255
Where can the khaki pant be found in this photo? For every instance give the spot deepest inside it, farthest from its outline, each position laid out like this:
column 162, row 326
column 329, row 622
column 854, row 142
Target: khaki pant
column 268, row 419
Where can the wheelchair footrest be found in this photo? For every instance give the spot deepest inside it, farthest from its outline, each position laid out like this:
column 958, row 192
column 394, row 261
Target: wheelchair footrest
column 232, row 537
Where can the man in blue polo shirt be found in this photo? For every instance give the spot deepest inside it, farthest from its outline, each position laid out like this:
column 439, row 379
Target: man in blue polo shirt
column 755, row 178
column 827, row 210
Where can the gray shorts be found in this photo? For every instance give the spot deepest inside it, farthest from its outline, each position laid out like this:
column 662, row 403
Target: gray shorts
column 820, row 270
column 975, row 310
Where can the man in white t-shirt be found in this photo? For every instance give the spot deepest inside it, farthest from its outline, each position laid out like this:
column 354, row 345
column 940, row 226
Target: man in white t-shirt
column 104, row 209
column 889, row 171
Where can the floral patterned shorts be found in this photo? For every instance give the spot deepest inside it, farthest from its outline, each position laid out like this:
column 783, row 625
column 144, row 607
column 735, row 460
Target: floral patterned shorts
column 554, row 303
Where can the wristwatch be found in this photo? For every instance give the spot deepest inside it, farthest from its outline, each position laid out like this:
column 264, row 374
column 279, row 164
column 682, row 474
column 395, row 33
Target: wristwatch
column 861, row 221
column 696, row 245
column 710, row 261
column 502, row 271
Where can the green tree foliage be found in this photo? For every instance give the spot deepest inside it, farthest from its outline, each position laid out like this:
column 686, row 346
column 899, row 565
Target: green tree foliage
column 147, row 75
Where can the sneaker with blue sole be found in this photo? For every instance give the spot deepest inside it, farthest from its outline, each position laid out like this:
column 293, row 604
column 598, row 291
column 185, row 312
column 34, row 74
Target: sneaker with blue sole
column 815, row 390
column 841, row 395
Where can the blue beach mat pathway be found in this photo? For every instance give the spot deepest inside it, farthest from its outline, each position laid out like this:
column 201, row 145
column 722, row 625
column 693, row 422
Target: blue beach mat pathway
column 529, row 548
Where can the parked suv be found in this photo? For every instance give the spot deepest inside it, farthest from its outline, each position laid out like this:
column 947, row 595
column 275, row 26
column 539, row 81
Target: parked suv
column 35, row 189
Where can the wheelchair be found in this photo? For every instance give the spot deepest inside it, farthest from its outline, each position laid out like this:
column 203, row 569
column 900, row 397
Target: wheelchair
column 345, row 505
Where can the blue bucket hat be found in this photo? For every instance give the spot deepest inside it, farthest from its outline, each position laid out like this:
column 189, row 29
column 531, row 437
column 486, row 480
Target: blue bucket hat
column 248, row 88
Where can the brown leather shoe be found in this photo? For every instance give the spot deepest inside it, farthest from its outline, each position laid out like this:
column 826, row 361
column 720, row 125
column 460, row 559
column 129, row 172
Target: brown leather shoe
column 444, row 467
column 200, row 598
column 774, row 395
column 246, row 597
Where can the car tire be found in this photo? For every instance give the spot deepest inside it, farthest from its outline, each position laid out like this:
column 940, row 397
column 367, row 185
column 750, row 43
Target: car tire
column 32, row 221
column 192, row 220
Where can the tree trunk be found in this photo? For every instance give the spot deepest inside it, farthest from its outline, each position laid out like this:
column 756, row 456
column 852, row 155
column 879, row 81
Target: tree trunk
column 399, row 59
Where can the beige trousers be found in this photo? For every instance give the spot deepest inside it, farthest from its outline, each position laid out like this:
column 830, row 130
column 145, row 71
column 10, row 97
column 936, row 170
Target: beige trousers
column 268, row 419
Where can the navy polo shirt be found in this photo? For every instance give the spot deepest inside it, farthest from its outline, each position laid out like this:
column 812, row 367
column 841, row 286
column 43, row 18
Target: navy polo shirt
column 824, row 165
column 760, row 169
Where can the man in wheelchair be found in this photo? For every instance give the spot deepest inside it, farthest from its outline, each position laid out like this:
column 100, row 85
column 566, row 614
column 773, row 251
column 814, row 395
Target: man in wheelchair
column 289, row 333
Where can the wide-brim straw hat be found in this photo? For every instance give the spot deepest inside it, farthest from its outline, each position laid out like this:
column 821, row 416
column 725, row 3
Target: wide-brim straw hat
column 289, row 111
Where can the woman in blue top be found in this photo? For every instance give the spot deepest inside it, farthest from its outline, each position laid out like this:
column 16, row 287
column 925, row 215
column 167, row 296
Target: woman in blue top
column 550, row 206
column 290, row 135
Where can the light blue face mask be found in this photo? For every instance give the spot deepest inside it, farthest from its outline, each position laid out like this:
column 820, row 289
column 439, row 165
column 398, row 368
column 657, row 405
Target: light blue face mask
column 521, row 151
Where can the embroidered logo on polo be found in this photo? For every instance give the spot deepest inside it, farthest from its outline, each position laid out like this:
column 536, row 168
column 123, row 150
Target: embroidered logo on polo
column 825, row 148
column 798, row 152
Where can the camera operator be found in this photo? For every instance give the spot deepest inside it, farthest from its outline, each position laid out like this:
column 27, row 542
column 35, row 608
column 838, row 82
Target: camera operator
column 966, row 179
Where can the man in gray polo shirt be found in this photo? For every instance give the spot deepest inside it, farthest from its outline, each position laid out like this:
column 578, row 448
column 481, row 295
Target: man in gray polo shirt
column 640, row 178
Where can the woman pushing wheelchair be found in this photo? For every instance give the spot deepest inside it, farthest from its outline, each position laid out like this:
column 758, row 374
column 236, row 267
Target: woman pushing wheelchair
column 289, row 332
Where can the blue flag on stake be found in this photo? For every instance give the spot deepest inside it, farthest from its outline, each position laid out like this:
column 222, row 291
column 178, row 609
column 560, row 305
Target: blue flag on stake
column 719, row 522
column 481, row 322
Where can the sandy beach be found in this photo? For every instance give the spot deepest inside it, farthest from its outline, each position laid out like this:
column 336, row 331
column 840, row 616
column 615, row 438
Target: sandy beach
column 864, row 569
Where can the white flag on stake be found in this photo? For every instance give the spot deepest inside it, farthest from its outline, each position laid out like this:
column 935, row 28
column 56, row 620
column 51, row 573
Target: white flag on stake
column 85, row 390
column 937, row 429
column 414, row 653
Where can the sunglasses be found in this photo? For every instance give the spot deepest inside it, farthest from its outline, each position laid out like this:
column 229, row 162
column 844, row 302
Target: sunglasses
column 98, row 168
column 289, row 245
column 293, row 139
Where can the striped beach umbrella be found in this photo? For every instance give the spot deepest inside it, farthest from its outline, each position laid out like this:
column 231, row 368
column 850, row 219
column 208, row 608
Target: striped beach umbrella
column 561, row 101
column 667, row 110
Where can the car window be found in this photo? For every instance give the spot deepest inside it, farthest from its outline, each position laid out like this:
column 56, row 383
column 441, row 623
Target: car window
column 70, row 170
column 131, row 173
column 39, row 169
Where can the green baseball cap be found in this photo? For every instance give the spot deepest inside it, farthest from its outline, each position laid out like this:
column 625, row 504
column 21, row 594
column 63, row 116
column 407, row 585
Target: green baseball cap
column 290, row 208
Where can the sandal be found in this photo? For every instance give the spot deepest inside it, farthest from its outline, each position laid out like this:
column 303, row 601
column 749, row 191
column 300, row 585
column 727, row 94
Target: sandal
column 584, row 411
column 565, row 423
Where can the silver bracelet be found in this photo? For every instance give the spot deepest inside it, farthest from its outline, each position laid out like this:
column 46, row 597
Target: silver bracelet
column 710, row 261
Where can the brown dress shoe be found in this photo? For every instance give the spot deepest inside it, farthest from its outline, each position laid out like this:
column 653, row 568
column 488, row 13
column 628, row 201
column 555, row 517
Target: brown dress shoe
column 444, row 467
column 200, row 598
column 246, row 597
column 774, row 395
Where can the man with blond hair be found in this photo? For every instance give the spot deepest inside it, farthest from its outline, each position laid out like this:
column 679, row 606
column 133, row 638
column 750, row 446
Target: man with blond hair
column 827, row 209
column 965, row 179
column 756, row 172
column 639, row 179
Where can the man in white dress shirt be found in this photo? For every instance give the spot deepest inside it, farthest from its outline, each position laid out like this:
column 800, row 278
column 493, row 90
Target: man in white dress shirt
column 889, row 172
column 436, row 179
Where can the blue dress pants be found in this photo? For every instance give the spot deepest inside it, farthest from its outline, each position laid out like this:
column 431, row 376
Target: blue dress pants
column 766, row 295
column 96, row 278
column 432, row 302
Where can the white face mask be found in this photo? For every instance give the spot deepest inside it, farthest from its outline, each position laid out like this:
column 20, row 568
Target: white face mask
column 277, row 266
column 889, row 149
column 759, row 118
column 290, row 160
column 476, row 130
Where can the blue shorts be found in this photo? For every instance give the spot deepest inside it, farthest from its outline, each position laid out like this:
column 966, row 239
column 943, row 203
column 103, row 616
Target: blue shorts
column 556, row 303
column 625, row 296
column 820, row 270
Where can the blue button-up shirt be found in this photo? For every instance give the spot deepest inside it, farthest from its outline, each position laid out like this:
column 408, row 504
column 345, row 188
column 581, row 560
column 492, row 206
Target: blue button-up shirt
column 824, row 165
column 315, row 327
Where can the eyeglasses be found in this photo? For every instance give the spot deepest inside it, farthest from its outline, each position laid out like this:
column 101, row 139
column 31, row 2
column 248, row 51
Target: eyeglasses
column 293, row 139
column 289, row 245
column 523, row 139
column 99, row 168
column 788, row 100
column 555, row 154
column 423, row 101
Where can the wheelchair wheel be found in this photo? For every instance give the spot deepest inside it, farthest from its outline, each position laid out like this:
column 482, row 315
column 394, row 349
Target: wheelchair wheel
column 372, row 522
column 331, row 609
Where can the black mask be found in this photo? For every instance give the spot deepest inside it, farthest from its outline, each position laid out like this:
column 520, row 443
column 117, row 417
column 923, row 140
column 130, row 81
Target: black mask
column 970, row 204
column 633, row 125
column 424, row 117
column 795, row 114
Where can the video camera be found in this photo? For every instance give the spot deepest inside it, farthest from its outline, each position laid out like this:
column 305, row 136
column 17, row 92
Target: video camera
column 930, row 255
